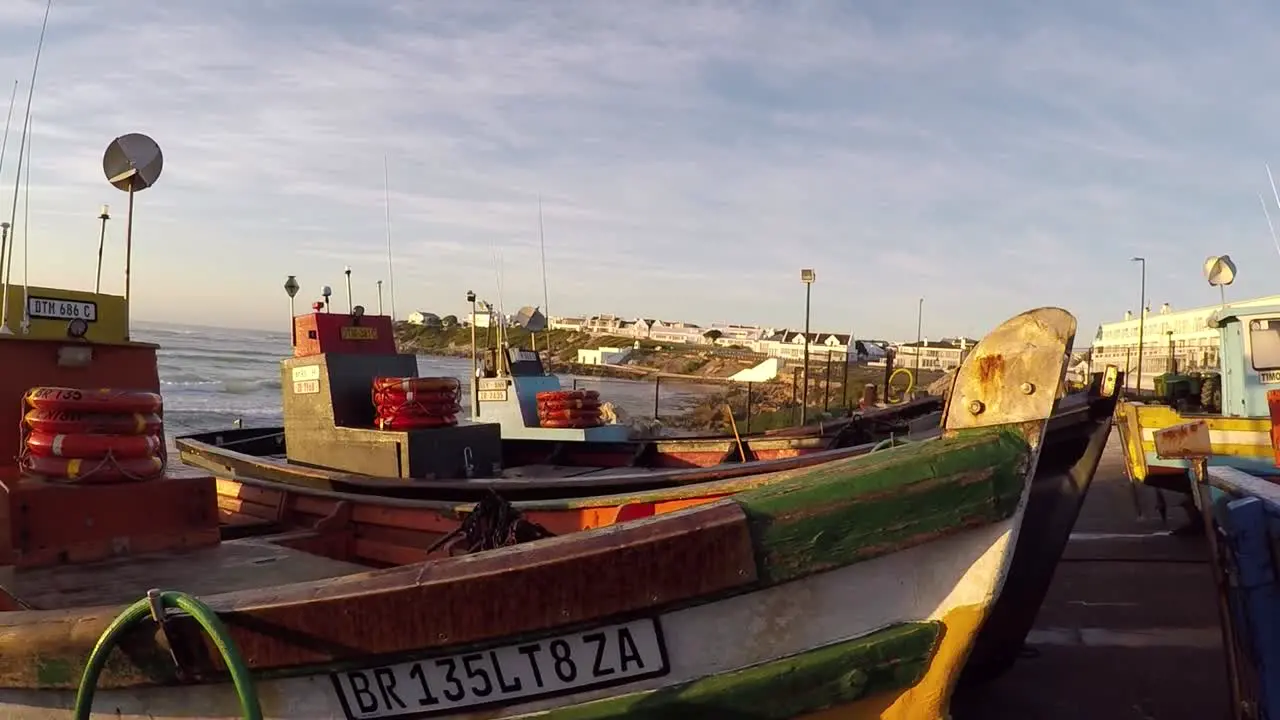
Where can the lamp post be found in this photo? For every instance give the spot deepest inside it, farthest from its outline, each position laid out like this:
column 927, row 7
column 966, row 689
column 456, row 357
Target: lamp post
column 919, row 350
column 379, row 297
column 475, row 391
column 104, row 216
column 350, row 308
column 807, row 277
column 291, row 287
column 1142, row 315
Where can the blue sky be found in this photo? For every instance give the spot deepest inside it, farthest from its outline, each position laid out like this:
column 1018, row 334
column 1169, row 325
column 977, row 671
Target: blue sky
column 691, row 156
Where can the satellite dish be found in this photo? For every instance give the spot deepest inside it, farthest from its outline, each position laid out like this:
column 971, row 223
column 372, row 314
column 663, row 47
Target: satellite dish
column 531, row 319
column 132, row 162
column 1219, row 270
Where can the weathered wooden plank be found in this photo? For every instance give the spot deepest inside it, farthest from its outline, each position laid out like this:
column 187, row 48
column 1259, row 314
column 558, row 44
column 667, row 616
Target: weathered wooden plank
column 618, row 570
column 885, row 502
column 892, row 659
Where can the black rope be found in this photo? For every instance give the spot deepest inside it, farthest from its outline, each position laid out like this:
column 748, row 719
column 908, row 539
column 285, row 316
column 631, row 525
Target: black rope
column 491, row 524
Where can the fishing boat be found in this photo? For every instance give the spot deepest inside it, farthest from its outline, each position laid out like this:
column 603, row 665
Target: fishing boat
column 1242, row 510
column 122, row 594
column 330, row 472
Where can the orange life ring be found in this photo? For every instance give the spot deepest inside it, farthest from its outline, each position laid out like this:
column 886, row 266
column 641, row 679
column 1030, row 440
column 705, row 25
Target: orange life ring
column 414, row 422
column 396, row 396
column 63, row 421
column 93, row 471
column 99, row 400
column 416, row 384
column 574, row 423
column 556, row 395
column 568, row 405
column 93, row 446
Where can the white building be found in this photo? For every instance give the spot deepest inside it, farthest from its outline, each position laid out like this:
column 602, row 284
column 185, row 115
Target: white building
column 602, row 355
column 1183, row 336
column 945, row 354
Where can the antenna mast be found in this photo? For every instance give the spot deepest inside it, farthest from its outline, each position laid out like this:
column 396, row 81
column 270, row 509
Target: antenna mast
column 546, row 302
column 386, row 201
column 17, row 181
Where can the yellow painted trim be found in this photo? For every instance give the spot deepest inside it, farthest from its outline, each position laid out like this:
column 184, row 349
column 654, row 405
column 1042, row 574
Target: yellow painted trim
column 930, row 698
column 111, row 326
column 1135, row 418
column 1231, row 449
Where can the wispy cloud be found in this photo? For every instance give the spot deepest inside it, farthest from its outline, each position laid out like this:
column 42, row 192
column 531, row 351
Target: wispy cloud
column 690, row 157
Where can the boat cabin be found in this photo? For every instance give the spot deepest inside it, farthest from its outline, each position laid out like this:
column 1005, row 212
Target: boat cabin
column 1250, row 358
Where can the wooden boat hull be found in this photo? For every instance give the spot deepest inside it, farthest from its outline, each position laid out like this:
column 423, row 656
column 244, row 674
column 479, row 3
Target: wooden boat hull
column 730, row 607
column 1238, row 442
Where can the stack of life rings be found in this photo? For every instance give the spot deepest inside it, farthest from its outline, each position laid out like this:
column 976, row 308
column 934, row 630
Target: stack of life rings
column 569, row 409
column 92, row 436
column 413, row 403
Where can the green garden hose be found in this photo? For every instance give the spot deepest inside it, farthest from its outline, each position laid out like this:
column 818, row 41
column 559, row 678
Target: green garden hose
column 140, row 611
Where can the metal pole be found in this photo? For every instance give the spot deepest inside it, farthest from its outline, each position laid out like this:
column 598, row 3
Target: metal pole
column 657, row 385
column 748, row 407
column 380, row 297
column 919, row 325
column 128, row 258
column 804, row 396
column 102, row 239
column 844, row 384
column 826, row 386
column 293, row 324
column 1142, row 319
column 350, row 307
column 475, row 383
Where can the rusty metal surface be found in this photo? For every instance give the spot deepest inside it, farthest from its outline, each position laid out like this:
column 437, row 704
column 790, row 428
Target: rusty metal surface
column 1185, row 441
column 1014, row 373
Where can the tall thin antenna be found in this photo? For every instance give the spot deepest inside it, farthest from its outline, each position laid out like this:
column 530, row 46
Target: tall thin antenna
column 386, row 201
column 546, row 302
column 4, row 142
column 17, row 181
column 1274, row 239
column 26, row 228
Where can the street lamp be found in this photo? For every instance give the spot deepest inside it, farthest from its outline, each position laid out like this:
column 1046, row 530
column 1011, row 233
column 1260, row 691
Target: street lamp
column 104, row 216
column 919, row 350
column 475, row 392
column 807, row 277
column 350, row 308
column 1142, row 316
column 291, row 287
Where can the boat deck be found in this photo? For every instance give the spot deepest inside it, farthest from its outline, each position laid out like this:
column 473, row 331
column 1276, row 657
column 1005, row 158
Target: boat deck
column 228, row 567
column 1129, row 630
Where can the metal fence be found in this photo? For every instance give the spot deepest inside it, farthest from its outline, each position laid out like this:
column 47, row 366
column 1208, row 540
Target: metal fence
column 1156, row 360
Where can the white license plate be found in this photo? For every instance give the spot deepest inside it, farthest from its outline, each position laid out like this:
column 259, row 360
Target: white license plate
column 53, row 308
column 558, row 665
column 1269, row 377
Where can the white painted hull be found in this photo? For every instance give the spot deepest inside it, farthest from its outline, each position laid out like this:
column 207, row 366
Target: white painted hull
column 921, row 583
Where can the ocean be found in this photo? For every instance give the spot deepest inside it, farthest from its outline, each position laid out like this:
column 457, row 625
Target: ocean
column 211, row 377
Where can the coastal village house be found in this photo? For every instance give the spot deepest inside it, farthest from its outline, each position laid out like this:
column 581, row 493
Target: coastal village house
column 943, row 355
column 1183, row 336
column 418, row 317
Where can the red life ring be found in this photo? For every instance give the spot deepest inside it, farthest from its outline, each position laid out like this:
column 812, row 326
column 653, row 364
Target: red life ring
column 558, row 395
column 552, row 405
column 396, row 396
column 569, row 415
column 93, row 446
column 414, row 422
column 93, row 471
column 574, row 423
column 419, row 410
column 99, row 400
column 416, row 384
column 62, row 421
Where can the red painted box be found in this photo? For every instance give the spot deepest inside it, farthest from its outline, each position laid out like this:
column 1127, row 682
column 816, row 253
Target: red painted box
column 318, row 333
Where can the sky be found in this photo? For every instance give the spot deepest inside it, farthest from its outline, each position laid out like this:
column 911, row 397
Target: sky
column 691, row 157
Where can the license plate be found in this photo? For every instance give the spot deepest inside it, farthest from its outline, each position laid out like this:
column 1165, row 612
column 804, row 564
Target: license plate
column 558, row 665
column 358, row 333
column 55, row 309
column 493, row 395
